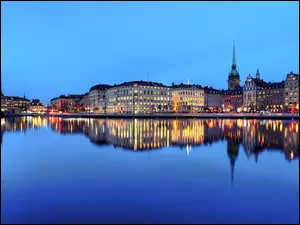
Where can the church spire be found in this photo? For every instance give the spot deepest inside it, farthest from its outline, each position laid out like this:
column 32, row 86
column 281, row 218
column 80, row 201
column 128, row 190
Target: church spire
column 257, row 74
column 233, row 57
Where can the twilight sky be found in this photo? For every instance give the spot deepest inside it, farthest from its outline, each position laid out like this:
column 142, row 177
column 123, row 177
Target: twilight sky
column 53, row 48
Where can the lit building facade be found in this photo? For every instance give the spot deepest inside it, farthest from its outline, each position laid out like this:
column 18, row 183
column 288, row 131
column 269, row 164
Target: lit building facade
column 271, row 96
column 37, row 107
column 187, row 98
column 138, row 97
column 262, row 95
column 97, row 98
column 250, row 92
column 291, row 95
column 212, row 98
column 63, row 102
column 232, row 100
column 14, row 103
column 77, row 100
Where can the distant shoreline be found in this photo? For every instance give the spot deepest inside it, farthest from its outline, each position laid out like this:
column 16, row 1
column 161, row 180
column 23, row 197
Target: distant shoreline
column 170, row 116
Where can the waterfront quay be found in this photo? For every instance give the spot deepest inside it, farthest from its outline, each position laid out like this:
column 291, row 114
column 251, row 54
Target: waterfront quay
column 287, row 116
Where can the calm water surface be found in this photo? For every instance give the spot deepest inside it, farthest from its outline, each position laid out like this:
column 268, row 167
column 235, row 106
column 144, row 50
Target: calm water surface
column 56, row 170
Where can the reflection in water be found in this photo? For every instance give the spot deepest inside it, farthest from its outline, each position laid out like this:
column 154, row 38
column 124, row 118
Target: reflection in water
column 185, row 182
column 142, row 134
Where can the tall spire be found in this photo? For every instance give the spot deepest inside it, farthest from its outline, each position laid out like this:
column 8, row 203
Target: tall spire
column 257, row 74
column 233, row 57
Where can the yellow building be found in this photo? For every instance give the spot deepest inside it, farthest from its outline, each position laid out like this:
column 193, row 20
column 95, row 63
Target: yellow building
column 187, row 98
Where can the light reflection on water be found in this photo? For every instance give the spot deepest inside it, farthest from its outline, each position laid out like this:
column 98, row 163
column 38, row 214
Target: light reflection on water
column 259, row 158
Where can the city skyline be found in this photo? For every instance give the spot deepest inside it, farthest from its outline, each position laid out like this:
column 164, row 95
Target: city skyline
column 162, row 42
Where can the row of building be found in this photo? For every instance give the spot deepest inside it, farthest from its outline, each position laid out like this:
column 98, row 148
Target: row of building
column 17, row 104
column 148, row 97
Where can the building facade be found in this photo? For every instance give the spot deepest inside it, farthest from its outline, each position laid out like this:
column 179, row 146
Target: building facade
column 291, row 96
column 138, row 97
column 64, row 103
column 271, row 97
column 14, row 103
column 232, row 100
column 97, row 98
column 250, row 92
column 37, row 107
column 54, row 103
column 187, row 98
column 212, row 98
column 85, row 102
column 261, row 95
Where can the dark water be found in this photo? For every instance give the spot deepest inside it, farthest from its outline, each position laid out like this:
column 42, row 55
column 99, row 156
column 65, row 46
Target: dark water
column 149, row 171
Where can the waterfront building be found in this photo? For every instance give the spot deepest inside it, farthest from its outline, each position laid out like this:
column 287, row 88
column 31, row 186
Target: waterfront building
column 234, row 76
column 212, row 98
column 77, row 100
column 187, row 98
column 250, row 92
column 63, row 103
column 262, row 95
column 232, row 100
column 138, row 97
column 54, row 103
column 291, row 97
column 97, row 98
column 66, row 102
column 14, row 103
column 36, row 106
column 85, row 102
column 271, row 96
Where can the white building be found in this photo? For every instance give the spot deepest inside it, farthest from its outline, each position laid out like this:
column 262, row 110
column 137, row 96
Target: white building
column 138, row 97
column 97, row 98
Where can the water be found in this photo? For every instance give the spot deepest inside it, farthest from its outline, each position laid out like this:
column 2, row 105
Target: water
column 149, row 171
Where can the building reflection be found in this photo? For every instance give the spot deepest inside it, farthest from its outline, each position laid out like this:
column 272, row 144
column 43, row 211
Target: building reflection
column 256, row 136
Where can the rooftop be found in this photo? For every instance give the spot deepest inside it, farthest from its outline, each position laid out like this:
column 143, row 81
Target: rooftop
column 100, row 87
column 181, row 85
column 141, row 82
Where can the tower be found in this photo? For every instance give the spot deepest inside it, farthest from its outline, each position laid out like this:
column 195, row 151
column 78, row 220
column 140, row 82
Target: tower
column 257, row 74
column 234, row 76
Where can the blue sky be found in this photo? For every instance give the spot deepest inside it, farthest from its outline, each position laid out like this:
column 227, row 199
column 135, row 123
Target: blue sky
column 53, row 48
